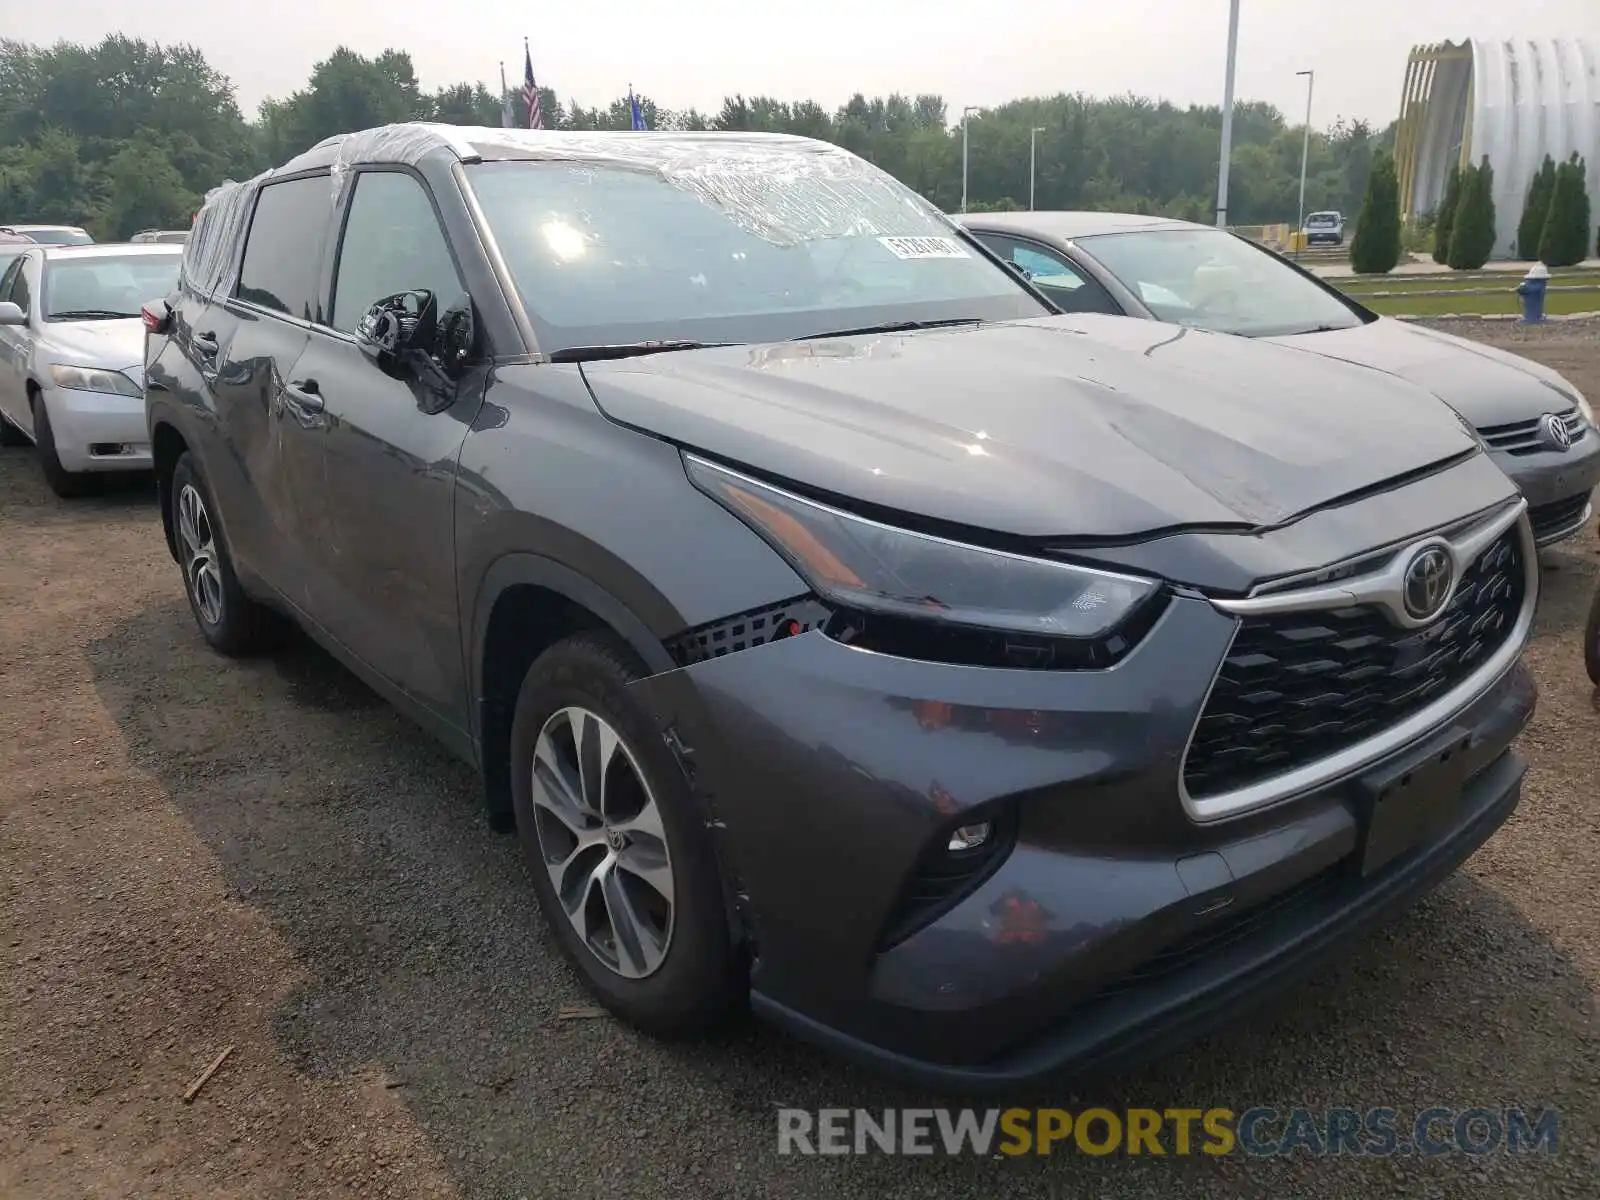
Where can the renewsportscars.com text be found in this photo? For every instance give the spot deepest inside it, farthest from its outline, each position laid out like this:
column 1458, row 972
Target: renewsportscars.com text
column 1259, row 1132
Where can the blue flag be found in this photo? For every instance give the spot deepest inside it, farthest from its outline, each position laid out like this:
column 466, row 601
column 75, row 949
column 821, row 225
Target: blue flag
column 633, row 103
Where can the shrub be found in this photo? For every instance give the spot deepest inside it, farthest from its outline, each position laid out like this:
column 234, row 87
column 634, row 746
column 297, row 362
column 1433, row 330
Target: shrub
column 1472, row 233
column 1445, row 217
column 1566, row 227
column 1530, row 230
column 1376, row 247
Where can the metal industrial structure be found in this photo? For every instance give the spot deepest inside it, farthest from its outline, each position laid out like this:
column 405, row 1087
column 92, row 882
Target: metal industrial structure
column 1515, row 101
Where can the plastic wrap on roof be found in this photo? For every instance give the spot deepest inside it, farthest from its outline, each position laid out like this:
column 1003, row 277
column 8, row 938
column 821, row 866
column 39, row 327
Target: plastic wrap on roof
column 780, row 188
column 209, row 251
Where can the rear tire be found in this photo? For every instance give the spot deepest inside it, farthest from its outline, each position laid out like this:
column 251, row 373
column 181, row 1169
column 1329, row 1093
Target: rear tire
column 615, row 826
column 63, row 482
column 229, row 620
column 1591, row 641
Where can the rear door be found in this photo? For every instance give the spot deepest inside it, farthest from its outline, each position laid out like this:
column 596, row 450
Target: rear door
column 18, row 285
column 382, row 514
column 247, row 348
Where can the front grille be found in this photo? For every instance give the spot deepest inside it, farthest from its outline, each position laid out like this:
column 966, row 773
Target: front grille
column 1297, row 687
column 1523, row 437
column 1558, row 517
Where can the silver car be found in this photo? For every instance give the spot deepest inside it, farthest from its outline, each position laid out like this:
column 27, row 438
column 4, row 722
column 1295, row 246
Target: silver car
column 1534, row 423
column 72, row 356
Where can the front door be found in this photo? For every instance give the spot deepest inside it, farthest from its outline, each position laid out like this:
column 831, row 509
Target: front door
column 383, row 525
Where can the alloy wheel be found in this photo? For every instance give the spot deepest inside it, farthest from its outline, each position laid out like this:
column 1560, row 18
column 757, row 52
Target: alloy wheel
column 601, row 836
column 200, row 554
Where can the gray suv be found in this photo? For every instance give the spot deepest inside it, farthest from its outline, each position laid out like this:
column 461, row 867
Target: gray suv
column 976, row 690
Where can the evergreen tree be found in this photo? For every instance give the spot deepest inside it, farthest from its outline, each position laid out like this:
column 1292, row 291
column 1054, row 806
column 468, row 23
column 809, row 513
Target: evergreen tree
column 1376, row 247
column 1530, row 230
column 1566, row 227
column 1472, row 233
column 1445, row 218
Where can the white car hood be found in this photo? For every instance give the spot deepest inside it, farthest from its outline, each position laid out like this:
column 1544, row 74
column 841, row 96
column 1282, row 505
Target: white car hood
column 115, row 345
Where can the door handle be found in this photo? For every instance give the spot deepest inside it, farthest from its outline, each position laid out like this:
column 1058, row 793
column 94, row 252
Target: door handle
column 304, row 395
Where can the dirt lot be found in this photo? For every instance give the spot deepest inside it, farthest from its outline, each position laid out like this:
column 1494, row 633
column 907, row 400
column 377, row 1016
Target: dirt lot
column 196, row 854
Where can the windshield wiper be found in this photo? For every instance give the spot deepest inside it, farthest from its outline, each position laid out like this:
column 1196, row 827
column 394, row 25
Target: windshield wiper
column 891, row 327
column 87, row 314
column 628, row 350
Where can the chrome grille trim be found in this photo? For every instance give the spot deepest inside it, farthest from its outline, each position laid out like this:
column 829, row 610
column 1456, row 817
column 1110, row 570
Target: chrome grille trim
column 1377, row 588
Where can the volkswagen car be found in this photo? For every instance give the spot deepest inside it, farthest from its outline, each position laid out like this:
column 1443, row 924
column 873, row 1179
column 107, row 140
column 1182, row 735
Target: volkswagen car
column 1537, row 426
column 72, row 356
column 981, row 691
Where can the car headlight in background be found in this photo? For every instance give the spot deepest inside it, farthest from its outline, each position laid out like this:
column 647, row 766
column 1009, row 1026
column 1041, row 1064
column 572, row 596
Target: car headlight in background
column 94, row 379
column 1584, row 407
column 875, row 568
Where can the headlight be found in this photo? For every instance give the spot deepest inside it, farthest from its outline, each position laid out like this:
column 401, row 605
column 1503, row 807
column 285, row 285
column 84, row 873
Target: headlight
column 875, row 568
column 94, row 379
column 1584, row 407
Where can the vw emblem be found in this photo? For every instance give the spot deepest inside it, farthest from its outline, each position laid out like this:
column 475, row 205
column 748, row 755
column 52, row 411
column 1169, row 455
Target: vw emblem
column 1428, row 577
column 1554, row 431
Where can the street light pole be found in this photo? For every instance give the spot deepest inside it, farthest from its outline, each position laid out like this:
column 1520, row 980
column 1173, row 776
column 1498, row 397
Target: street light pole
column 1305, row 147
column 1033, row 160
column 965, row 112
column 1227, row 116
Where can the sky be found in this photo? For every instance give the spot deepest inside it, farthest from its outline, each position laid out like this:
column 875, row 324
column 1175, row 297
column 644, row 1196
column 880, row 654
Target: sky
column 684, row 53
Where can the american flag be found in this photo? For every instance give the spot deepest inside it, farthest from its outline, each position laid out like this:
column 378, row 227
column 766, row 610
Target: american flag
column 530, row 90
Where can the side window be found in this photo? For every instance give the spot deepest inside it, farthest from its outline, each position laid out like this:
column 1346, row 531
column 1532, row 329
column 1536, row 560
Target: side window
column 392, row 243
column 283, row 251
column 8, row 282
column 20, row 294
column 1066, row 286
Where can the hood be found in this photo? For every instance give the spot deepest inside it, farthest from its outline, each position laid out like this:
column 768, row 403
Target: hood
column 115, row 345
column 1071, row 426
column 1485, row 385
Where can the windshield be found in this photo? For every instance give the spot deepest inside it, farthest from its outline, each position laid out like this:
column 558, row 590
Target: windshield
column 106, row 287
column 611, row 254
column 1213, row 280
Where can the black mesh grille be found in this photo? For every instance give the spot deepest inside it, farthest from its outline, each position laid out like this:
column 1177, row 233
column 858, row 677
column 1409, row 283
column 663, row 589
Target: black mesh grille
column 748, row 629
column 1557, row 517
column 1297, row 687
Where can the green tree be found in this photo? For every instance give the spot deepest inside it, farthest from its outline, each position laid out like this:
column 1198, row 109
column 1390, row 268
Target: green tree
column 1472, row 233
column 1375, row 249
column 1530, row 230
column 1445, row 218
column 1566, row 227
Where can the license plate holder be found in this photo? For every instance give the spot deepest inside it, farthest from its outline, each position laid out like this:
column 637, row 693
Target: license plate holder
column 1403, row 803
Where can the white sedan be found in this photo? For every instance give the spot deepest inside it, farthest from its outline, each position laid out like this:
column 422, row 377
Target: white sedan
column 72, row 355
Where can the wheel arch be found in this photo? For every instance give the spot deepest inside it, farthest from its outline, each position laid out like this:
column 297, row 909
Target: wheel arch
column 526, row 603
column 167, row 446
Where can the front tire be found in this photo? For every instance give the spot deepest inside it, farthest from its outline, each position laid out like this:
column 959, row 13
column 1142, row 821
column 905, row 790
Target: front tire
column 64, row 483
column 229, row 620
column 621, row 859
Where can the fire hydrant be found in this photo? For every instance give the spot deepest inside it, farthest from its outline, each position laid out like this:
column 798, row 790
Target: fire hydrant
column 1531, row 289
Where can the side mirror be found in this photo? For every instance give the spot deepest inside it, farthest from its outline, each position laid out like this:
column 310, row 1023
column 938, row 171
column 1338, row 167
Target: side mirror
column 10, row 314
column 456, row 339
column 388, row 331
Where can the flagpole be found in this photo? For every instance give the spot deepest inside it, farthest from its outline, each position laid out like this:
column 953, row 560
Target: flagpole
column 505, row 97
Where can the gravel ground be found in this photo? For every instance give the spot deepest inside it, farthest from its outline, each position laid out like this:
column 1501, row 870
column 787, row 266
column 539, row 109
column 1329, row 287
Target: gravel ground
column 197, row 854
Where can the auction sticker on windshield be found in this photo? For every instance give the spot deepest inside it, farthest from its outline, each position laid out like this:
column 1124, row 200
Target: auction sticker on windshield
column 924, row 247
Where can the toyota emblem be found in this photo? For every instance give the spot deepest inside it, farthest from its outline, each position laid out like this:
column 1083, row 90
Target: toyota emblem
column 1554, row 431
column 1428, row 578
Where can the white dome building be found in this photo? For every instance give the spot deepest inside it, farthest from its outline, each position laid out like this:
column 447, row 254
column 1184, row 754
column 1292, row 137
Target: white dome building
column 1515, row 101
